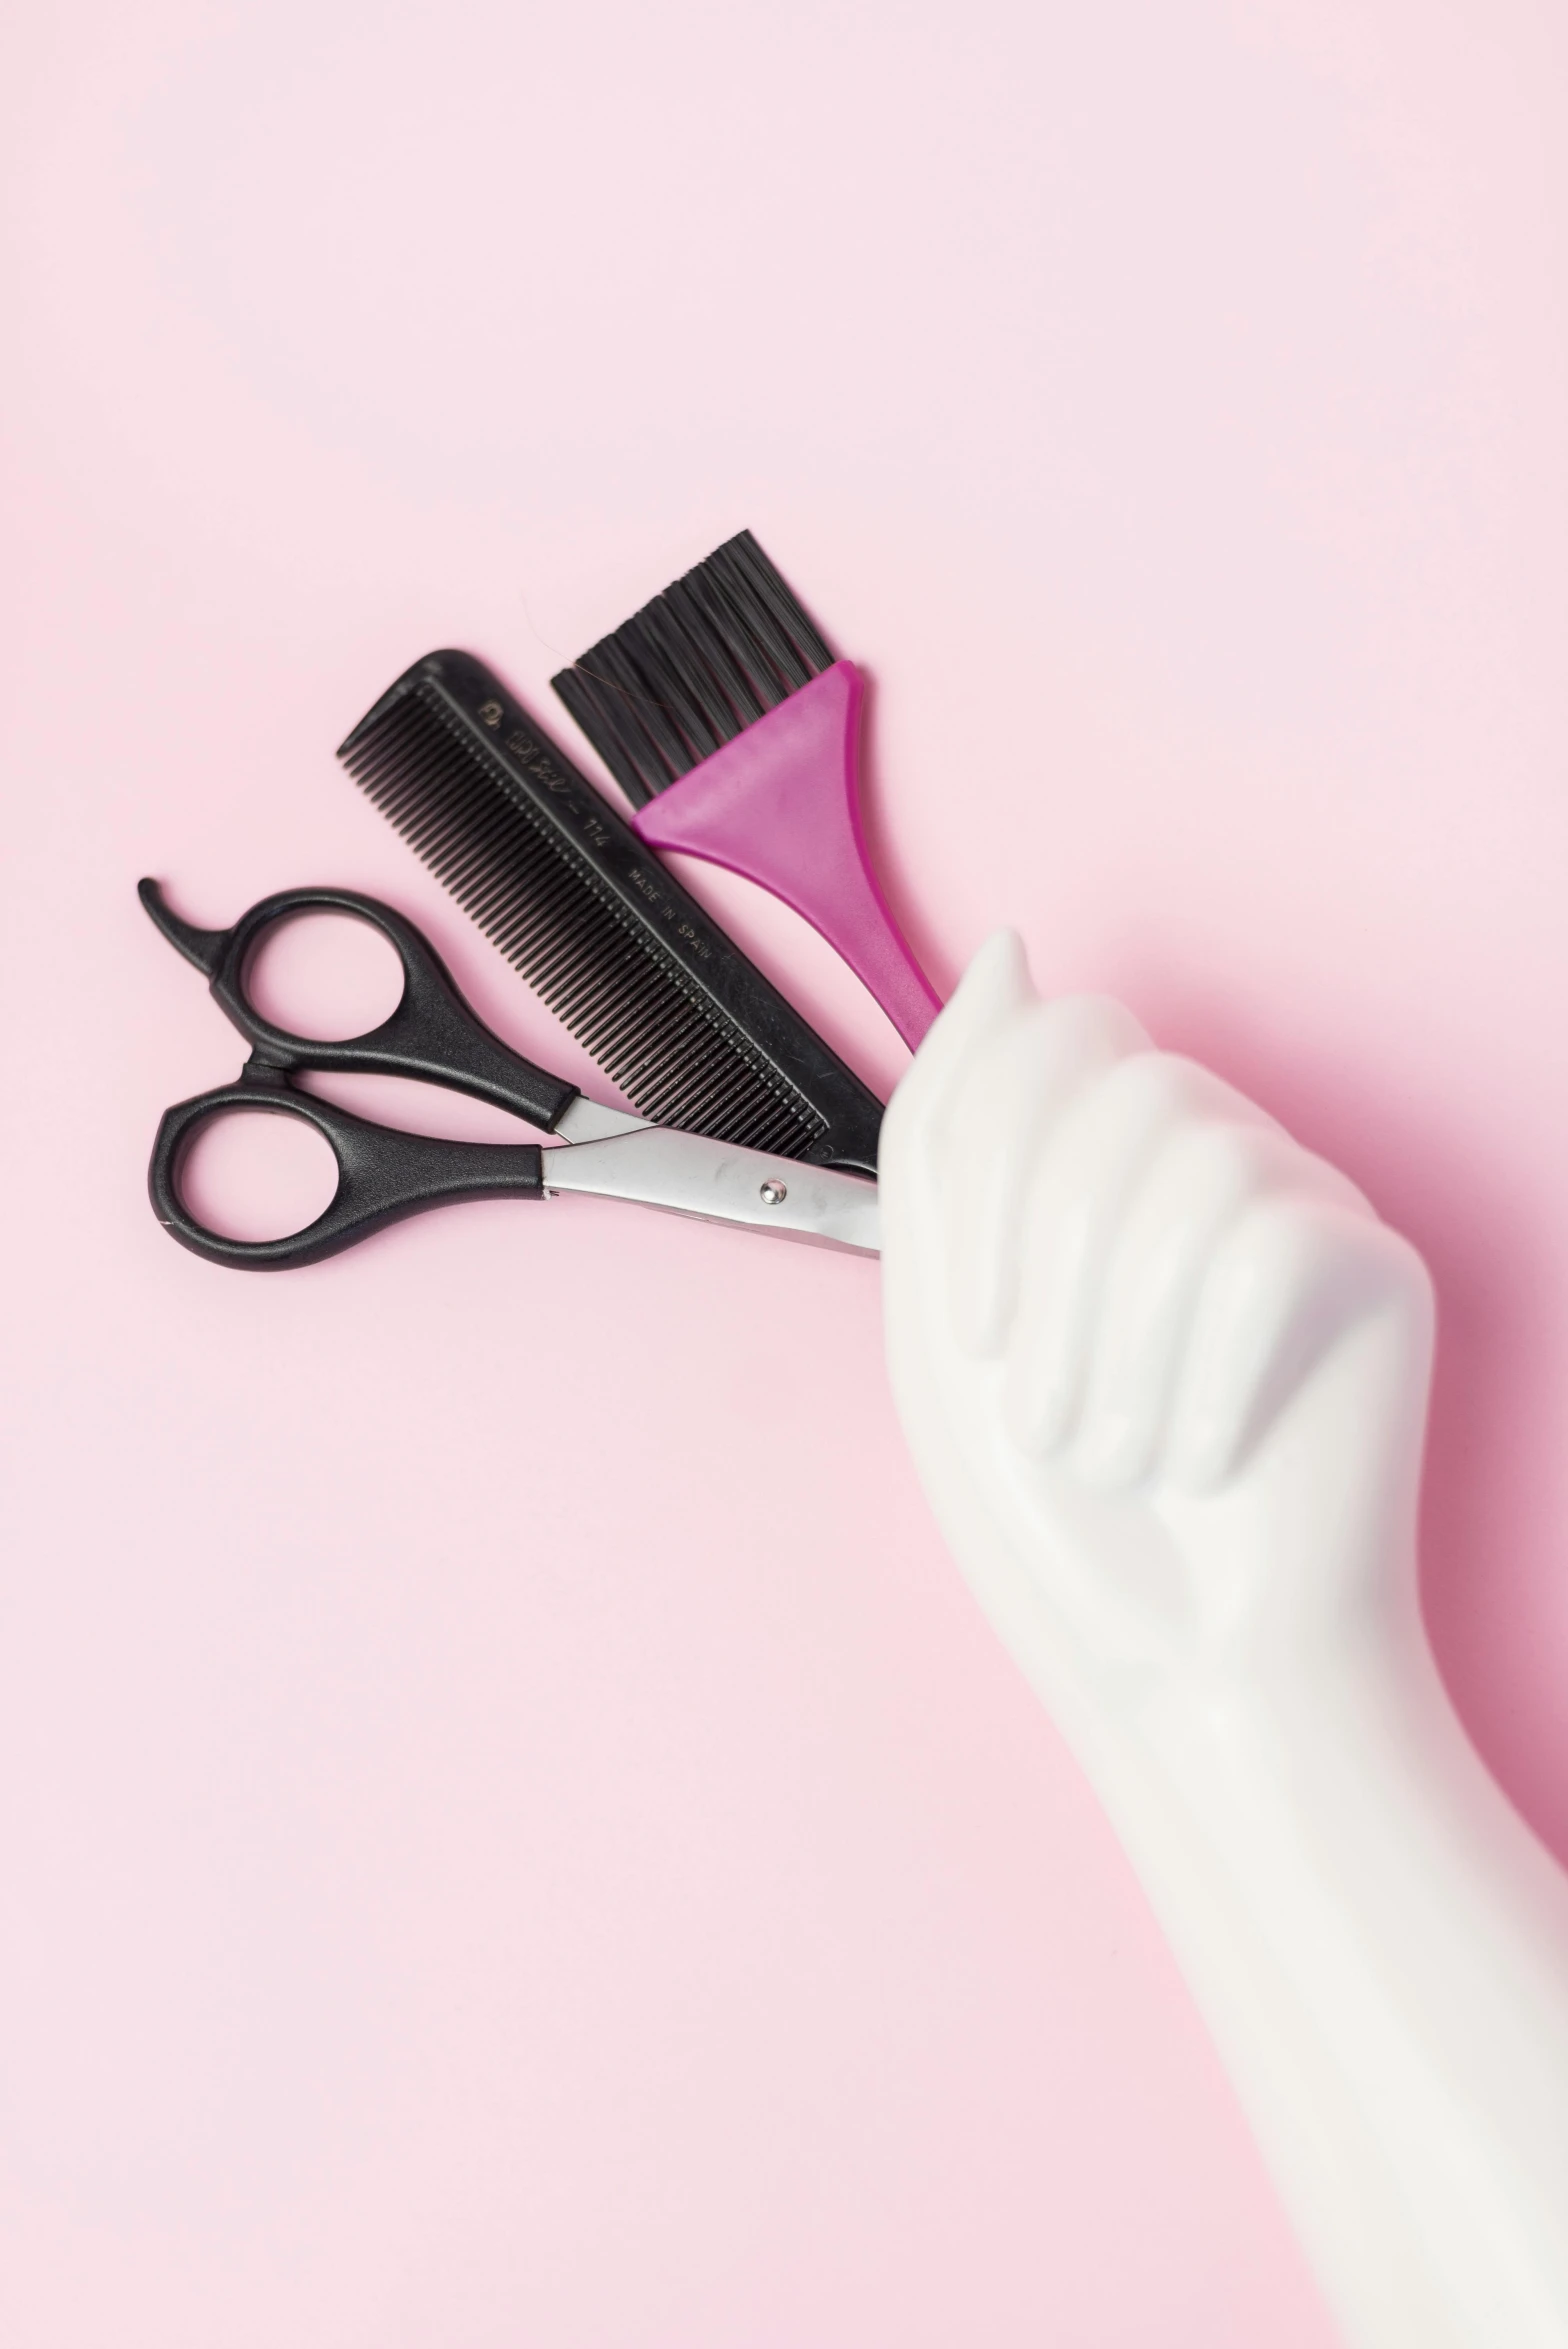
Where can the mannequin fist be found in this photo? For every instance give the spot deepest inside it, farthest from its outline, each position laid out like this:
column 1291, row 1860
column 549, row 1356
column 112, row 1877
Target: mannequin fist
column 1163, row 1371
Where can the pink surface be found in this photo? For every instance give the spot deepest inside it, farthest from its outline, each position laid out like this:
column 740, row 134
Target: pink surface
column 513, row 1833
column 780, row 804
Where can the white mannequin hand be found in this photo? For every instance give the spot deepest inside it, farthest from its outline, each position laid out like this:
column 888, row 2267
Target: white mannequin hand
column 1138, row 1324
column 1164, row 1375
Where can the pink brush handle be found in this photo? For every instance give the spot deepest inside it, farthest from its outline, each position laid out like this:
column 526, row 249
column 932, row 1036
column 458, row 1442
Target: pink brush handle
column 780, row 805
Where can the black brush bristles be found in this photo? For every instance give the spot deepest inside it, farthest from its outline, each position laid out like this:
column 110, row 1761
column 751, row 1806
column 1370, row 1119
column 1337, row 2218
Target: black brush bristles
column 668, row 1006
column 693, row 668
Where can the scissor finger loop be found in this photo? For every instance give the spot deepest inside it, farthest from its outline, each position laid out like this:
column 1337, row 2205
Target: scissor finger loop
column 431, row 1033
column 384, row 1174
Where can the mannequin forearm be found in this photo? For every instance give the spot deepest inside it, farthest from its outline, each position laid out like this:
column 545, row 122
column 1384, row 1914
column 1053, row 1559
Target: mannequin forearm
column 1382, row 1953
column 1164, row 1374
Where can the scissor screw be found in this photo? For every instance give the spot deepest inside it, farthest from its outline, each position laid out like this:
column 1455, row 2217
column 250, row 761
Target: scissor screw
column 774, row 1193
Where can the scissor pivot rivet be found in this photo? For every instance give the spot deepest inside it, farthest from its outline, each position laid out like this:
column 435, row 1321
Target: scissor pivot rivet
column 774, row 1193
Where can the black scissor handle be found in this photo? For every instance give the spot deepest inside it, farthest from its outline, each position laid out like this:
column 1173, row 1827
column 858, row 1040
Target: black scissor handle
column 383, row 1173
column 431, row 1035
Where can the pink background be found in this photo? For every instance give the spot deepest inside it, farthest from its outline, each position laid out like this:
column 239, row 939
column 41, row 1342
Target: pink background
column 514, row 1834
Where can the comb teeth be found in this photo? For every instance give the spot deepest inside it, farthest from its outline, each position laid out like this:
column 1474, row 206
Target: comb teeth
column 675, row 1057
column 693, row 668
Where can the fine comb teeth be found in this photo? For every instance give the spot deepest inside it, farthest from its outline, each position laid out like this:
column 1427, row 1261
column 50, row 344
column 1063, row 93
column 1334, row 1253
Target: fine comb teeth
column 693, row 668
column 668, row 1006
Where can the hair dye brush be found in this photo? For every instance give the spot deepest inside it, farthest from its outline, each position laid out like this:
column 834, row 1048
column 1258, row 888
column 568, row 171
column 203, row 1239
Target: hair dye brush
column 721, row 711
column 664, row 1000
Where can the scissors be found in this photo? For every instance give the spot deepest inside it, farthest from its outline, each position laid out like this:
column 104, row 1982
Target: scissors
column 434, row 1035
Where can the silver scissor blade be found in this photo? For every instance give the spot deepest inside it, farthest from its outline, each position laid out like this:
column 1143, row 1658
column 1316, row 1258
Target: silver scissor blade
column 583, row 1120
column 687, row 1174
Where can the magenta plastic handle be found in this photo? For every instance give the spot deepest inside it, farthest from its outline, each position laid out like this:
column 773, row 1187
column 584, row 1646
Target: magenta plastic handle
column 781, row 805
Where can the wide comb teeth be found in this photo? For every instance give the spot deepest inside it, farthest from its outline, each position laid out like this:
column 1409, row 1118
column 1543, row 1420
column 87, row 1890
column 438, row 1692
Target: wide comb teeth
column 675, row 1057
column 693, row 668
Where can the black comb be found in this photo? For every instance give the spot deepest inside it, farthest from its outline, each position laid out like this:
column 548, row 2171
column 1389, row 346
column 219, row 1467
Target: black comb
column 664, row 1000
column 693, row 668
